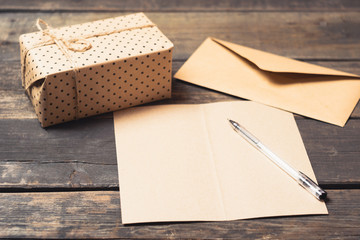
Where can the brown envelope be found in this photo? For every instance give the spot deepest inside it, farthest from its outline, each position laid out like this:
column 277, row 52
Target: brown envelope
column 185, row 163
column 317, row 92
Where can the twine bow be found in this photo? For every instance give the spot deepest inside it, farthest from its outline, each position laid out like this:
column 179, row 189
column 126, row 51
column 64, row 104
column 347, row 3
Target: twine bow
column 74, row 44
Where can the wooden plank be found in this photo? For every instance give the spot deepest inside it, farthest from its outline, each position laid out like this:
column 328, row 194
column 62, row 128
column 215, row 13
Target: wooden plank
column 78, row 154
column 74, row 215
column 314, row 35
column 81, row 154
column 10, row 77
column 14, row 104
column 332, row 150
column 182, row 5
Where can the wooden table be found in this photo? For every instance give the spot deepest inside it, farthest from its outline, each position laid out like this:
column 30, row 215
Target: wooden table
column 61, row 182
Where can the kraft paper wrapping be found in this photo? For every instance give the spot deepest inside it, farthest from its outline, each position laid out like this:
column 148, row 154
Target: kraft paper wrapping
column 128, row 67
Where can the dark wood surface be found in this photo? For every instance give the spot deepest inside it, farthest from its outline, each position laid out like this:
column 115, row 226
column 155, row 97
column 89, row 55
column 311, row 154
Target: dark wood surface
column 61, row 182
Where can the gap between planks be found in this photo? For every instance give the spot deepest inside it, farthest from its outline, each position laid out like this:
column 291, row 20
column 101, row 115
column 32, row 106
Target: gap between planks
column 351, row 186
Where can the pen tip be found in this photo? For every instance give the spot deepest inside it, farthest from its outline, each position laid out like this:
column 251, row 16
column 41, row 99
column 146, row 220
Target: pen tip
column 231, row 121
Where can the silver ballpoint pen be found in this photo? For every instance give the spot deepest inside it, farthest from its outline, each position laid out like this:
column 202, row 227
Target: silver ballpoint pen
column 298, row 176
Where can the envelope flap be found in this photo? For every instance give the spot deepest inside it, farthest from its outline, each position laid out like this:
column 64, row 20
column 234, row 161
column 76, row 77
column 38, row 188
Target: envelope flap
column 275, row 63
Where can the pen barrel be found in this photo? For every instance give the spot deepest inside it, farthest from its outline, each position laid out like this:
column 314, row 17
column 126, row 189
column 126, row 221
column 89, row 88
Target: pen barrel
column 298, row 176
column 311, row 186
column 278, row 161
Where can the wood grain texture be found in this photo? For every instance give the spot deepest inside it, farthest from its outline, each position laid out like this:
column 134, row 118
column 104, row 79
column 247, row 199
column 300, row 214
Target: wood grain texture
column 52, row 181
column 74, row 215
column 179, row 5
column 14, row 104
column 81, row 154
column 313, row 35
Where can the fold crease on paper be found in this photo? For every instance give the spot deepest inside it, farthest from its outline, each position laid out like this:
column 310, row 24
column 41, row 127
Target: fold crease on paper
column 185, row 163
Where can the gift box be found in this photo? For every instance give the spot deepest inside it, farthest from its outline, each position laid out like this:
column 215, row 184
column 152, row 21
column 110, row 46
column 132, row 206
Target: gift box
column 91, row 68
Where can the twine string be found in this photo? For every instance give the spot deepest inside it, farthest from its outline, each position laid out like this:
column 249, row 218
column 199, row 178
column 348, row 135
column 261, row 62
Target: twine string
column 77, row 44
column 64, row 46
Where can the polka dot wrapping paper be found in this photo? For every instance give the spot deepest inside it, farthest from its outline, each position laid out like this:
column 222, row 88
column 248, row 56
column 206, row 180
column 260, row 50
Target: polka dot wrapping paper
column 128, row 64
